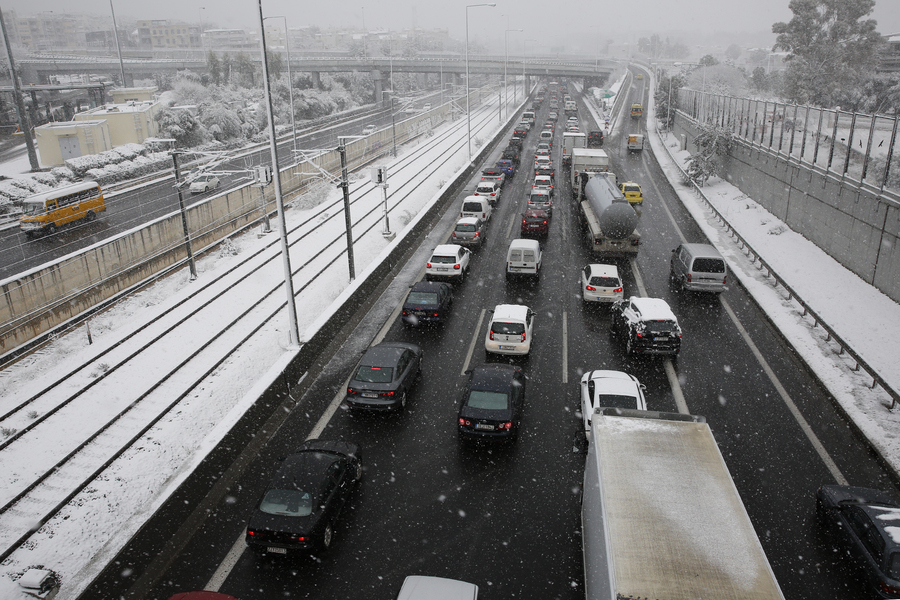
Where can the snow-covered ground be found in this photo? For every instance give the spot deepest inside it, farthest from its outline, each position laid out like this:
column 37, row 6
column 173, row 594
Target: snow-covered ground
column 69, row 546
column 93, row 527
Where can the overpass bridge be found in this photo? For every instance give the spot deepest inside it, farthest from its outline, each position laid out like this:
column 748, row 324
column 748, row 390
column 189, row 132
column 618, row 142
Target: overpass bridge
column 37, row 68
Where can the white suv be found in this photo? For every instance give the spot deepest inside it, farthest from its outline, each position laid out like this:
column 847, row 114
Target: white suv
column 489, row 188
column 543, row 182
column 511, row 330
column 448, row 261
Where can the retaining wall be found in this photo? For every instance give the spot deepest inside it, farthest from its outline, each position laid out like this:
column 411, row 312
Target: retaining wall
column 48, row 297
column 857, row 225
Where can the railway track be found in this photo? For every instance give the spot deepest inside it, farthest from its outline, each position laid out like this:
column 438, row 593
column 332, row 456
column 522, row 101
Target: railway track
column 94, row 412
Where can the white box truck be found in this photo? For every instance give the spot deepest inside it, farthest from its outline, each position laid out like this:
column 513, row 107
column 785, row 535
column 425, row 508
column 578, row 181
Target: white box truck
column 587, row 160
column 571, row 140
column 661, row 517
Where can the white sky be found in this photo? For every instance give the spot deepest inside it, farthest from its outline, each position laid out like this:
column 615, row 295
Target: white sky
column 78, row 544
column 558, row 24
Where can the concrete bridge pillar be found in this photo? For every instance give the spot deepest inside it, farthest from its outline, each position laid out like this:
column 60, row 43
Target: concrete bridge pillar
column 378, row 78
column 316, row 80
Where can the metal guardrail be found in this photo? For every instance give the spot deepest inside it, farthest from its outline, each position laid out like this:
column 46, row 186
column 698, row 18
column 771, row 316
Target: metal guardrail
column 755, row 257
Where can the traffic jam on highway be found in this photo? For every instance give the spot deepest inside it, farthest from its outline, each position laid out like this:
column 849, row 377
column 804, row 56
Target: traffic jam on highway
column 565, row 313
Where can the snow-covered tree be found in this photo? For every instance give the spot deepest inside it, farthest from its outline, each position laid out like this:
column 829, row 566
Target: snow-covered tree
column 713, row 145
column 662, row 96
column 831, row 49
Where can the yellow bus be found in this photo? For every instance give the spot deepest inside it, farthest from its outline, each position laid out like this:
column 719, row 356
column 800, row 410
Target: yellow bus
column 46, row 211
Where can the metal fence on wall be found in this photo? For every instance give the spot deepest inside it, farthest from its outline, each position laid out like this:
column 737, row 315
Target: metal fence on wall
column 860, row 148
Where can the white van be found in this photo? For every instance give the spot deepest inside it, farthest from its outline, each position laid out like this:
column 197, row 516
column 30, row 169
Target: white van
column 699, row 268
column 476, row 206
column 523, row 258
column 528, row 116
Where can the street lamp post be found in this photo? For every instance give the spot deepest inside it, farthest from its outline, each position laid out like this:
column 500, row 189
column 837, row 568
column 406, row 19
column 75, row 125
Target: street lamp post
column 506, row 66
column 118, row 46
column 469, row 114
column 524, row 90
column 294, row 327
column 287, row 47
column 200, row 12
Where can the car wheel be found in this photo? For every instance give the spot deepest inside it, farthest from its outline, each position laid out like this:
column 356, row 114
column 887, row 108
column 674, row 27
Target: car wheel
column 629, row 345
column 403, row 401
column 90, row 215
column 327, row 537
column 358, row 474
column 462, row 275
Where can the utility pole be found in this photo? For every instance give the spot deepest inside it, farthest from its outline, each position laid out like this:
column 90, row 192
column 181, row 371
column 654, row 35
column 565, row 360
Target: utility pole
column 24, row 121
column 184, row 223
column 345, row 186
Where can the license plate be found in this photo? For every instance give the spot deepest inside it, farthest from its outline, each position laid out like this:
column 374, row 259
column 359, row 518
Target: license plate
column 419, row 313
column 483, row 426
column 443, row 268
column 660, row 339
column 369, row 395
column 507, row 347
column 274, row 550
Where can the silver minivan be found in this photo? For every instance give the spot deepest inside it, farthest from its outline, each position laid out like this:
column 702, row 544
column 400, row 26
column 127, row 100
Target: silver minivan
column 699, row 268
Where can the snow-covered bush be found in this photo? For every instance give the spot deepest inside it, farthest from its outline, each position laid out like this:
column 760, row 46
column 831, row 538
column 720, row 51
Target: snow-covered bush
column 82, row 164
column 130, row 151
column 63, row 174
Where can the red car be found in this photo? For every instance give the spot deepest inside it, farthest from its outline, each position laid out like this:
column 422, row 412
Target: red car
column 535, row 222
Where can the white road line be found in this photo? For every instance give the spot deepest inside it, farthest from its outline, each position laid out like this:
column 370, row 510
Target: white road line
column 509, row 229
column 804, row 425
column 785, row 397
column 221, row 574
column 669, row 368
column 565, row 348
column 472, row 343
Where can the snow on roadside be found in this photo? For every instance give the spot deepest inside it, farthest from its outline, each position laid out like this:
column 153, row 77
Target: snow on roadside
column 80, row 541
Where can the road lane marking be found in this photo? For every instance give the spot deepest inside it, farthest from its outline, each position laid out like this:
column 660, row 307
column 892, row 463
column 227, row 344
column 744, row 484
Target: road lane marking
column 565, row 348
column 472, row 343
column 785, row 397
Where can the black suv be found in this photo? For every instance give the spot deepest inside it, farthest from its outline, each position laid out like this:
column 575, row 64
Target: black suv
column 646, row 325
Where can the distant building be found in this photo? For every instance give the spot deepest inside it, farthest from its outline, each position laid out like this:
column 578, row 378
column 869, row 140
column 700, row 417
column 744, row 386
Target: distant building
column 60, row 141
column 889, row 61
column 165, row 33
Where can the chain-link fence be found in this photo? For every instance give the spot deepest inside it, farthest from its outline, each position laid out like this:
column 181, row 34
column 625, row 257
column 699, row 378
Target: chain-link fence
column 858, row 147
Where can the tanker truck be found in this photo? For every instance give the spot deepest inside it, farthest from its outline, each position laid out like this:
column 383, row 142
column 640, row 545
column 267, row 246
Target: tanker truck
column 608, row 220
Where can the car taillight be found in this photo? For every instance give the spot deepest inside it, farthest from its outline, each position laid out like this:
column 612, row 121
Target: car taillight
column 688, row 277
column 250, row 532
column 465, row 422
column 524, row 221
column 457, row 267
column 350, row 390
column 454, row 234
column 492, row 334
column 427, row 265
column 590, row 288
column 507, row 425
column 724, row 279
column 617, row 290
column 477, row 233
column 493, row 193
column 523, row 336
column 484, row 215
column 545, row 221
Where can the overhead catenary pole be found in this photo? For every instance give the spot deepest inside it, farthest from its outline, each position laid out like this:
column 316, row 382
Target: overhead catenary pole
column 118, row 46
column 469, row 114
column 24, row 121
column 345, row 187
column 279, row 199
column 287, row 47
column 184, row 223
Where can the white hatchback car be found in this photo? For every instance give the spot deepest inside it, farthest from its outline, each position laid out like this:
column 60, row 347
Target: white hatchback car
column 601, row 283
column 511, row 330
column 204, row 183
column 543, row 182
column 448, row 261
column 609, row 389
column 489, row 188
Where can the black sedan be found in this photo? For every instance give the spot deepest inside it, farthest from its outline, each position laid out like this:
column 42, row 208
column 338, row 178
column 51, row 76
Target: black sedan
column 302, row 502
column 867, row 523
column 384, row 376
column 492, row 403
column 427, row 302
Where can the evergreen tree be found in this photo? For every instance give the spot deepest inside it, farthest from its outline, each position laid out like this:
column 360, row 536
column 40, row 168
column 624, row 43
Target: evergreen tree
column 831, row 49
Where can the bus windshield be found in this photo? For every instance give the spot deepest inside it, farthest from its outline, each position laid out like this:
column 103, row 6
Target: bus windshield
column 34, row 208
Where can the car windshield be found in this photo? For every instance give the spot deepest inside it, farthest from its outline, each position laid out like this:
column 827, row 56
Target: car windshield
column 374, row 374
column 605, row 281
column 437, row 258
column 290, row 503
column 486, row 188
column 465, row 228
column 508, row 328
column 709, row 265
column 488, row 400
column 422, row 298
column 633, row 188
column 33, row 208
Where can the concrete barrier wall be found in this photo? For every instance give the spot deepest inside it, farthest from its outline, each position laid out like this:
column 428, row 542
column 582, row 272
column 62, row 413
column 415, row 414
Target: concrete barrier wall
column 40, row 301
column 857, row 226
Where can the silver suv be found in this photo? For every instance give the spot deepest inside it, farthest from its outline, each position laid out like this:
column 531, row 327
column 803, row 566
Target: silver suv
column 469, row 231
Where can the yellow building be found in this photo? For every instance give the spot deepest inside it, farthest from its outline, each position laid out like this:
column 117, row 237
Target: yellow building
column 60, row 141
column 132, row 122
